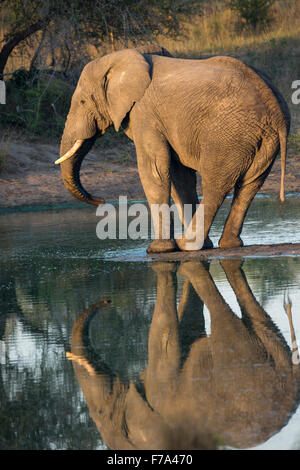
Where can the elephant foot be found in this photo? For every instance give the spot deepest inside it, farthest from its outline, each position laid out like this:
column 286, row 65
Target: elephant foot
column 191, row 245
column 162, row 246
column 232, row 242
column 193, row 269
column 164, row 267
column 231, row 265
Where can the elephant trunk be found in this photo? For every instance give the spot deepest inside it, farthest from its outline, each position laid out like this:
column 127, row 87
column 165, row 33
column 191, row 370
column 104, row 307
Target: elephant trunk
column 70, row 170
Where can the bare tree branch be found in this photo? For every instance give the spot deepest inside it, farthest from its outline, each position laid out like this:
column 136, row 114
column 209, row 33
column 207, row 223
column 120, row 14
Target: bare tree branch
column 16, row 39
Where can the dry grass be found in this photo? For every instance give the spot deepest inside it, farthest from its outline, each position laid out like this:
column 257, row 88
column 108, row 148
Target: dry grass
column 275, row 49
column 218, row 30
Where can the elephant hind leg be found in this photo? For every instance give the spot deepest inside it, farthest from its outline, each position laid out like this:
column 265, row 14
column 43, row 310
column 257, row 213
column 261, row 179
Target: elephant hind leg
column 183, row 187
column 243, row 196
column 183, row 192
column 245, row 190
column 213, row 198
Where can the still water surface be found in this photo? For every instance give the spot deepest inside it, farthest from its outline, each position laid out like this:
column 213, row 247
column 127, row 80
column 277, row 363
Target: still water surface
column 100, row 348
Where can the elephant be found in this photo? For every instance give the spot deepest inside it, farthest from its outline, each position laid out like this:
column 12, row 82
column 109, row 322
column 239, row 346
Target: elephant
column 235, row 387
column 216, row 117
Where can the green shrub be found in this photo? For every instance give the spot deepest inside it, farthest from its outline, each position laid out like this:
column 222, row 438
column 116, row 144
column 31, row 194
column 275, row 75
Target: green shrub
column 37, row 101
column 252, row 12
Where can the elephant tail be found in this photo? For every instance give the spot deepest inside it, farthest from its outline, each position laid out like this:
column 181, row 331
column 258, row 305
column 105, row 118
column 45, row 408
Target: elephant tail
column 283, row 150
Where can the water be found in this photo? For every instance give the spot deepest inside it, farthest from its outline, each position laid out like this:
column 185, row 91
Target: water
column 93, row 354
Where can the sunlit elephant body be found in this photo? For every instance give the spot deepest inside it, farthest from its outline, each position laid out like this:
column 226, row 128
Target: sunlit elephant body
column 237, row 387
column 216, row 117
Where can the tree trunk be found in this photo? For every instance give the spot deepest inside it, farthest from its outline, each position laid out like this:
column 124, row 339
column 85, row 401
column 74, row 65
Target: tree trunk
column 38, row 50
column 16, row 39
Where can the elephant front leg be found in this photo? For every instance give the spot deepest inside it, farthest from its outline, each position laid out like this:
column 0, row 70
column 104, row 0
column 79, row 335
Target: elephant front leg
column 163, row 343
column 154, row 169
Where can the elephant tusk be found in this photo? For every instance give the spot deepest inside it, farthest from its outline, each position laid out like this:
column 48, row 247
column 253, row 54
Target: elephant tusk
column 70, row 153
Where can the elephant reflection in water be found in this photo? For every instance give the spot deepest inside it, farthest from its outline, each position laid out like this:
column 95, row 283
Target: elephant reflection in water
column 238, row 386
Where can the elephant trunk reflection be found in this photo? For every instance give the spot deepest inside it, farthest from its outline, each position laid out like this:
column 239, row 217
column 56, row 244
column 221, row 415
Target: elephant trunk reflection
column 70, row 170
column 236, row 386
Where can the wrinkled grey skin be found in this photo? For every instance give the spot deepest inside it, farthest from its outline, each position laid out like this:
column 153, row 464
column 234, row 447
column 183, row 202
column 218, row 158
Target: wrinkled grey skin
column 216, row 116
column 237, row 386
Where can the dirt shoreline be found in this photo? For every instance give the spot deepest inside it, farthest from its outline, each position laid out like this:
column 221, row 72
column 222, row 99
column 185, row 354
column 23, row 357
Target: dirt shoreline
column 30, row 178
column 275, row 250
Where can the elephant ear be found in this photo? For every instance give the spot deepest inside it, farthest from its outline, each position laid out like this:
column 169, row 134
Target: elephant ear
column 126, row 81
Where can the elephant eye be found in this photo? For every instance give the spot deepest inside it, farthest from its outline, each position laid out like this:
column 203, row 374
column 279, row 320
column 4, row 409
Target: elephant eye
column 82, row 101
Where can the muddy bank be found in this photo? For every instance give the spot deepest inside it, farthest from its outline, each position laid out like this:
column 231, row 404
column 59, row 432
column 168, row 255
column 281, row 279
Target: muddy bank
column 30, row 178
column 282, row 249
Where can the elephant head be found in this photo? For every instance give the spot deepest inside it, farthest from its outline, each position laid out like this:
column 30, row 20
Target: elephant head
column 107, row 90
column 238, row 385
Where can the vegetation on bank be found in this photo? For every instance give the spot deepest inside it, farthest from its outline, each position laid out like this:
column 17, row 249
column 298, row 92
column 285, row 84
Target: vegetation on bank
column 41, row 73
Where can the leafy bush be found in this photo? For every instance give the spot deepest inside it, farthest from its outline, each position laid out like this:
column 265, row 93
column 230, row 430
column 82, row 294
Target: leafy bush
column 37, row 101
column 252, row 12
